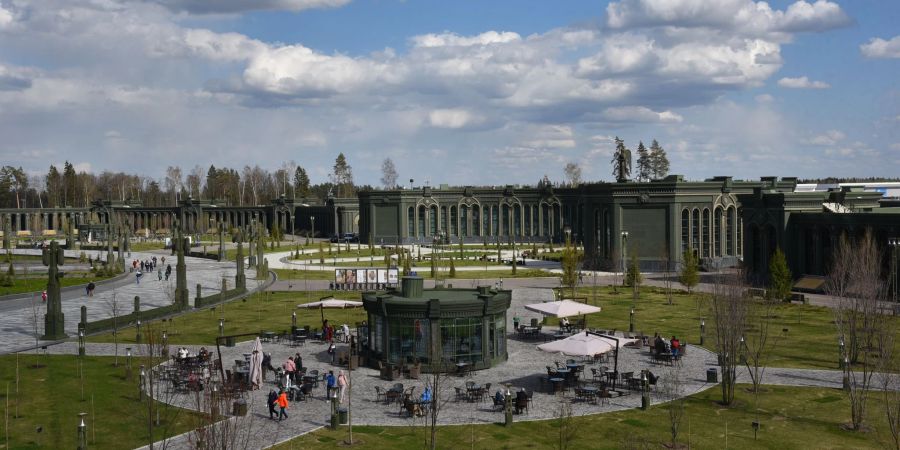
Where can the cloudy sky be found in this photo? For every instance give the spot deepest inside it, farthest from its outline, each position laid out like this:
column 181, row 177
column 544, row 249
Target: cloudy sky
column 454, row 91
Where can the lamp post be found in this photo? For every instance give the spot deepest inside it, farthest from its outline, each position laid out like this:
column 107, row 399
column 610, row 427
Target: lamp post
column 631, row 321
column 165, row 344
column 508, row 406
column 128, row 362
column 841, row 355
column 137, row 336
column 81, row 342
column 221, row 326
column 702, row 330
column 894, row 243
column 82, row 432
column 845, row 379
column 645, row 391
column 142, row 383
column 624, row 243
column 294, row 320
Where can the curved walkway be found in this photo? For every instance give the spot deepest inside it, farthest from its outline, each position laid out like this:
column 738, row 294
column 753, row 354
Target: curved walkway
column 21, row 320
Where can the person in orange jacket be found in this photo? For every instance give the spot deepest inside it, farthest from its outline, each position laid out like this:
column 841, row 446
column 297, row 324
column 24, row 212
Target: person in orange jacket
column 282, row 403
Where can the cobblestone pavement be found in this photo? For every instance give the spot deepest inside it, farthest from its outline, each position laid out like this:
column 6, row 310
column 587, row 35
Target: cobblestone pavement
column 22, row 320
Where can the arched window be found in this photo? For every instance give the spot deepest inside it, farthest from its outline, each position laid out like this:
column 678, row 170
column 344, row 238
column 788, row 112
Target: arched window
column 607, row 231
column 464, row 221
column 434, row 221
column 445, row 225
column 454, row 224
column 421, row 221
column 517, row 220
column 527, row 220
column 685, row 229
column 495, row 220
column 557, row 221
column 486, row 220
column 740, row 233
column 476, row 220
column 505, row 216
column 695, row 231
column 535, row 221
column 410, row 222
column 704, row 230
column 717, row 232
column 545, row 219
column 729, row 231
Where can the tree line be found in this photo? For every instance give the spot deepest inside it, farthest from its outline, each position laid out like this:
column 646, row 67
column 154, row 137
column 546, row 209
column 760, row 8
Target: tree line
column 250, row 185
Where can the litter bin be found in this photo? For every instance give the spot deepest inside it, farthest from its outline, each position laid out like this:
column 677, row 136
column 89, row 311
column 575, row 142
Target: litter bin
column 342, row 416
column 239, row 408
column 229, row 341
column 712, row 376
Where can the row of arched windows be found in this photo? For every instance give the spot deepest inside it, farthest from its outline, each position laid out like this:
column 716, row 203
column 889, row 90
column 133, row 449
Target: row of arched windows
column 493, row 220
column 702, row 232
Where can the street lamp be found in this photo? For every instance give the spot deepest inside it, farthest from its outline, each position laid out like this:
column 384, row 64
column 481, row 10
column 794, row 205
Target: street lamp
column 143, row 381
column 702, row 330
column 568, row 231
column 127, row 362
column 624, row 242
column 894, row 243
column 82, row 432
column 80, row 342
column 294, row 320
column 165, row 343
column 221, row 326
column 631, row 321
column 842, row 354
column 137, row 336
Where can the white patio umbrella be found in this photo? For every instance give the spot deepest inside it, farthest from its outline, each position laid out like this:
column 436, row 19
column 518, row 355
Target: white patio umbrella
column 563, row 308
column 580, row 344
column 330, row 303
column 256, row 364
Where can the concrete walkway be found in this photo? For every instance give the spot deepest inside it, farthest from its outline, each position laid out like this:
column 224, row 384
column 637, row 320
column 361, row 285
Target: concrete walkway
column 23, row 319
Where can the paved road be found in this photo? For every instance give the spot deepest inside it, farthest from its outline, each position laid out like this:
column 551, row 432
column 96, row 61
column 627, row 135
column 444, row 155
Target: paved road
column 22, row 319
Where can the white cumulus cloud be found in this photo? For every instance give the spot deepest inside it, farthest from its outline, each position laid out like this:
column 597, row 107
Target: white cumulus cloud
column 802, row 83
column 880, row 48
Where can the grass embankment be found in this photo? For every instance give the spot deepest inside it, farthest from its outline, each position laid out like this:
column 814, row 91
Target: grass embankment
column 790, row 417
column 37, row 283
column 49, row 399
column 804, row 336
column 268, row 311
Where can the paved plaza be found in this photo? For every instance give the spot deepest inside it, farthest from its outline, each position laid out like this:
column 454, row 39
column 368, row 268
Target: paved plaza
column 18, row 317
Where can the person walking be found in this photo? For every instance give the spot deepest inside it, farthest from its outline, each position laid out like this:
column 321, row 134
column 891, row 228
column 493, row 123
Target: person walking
column 44, row 296
column 138, row 276
column 330, row 383
column 282, row 403
column 168, row 271
column 90, row 289
column 342, row 384
column 272, row 399
column 159, row 273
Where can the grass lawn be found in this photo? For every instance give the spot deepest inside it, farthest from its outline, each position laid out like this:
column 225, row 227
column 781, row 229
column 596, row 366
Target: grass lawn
column 790, row 417
column 261, row 312
column 810, row 341
column 49, row 399
column 38, row 284
column 423, row 271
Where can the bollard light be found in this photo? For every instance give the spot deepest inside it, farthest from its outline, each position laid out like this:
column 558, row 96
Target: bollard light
column 846, row 377
column 81, row 342
column 842, row 354
column 137, row 336
column 508, row 405
column 645, row 391
column 294, row 319
column 702, row 330
column 631, row 321
column 82, row 432
column 165, row 343
column 142, row 382
column 128, row 362
column 222, row 327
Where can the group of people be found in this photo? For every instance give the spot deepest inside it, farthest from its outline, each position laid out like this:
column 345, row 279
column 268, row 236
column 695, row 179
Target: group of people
column 673, row 346
column 334, row 385
column 139, row 267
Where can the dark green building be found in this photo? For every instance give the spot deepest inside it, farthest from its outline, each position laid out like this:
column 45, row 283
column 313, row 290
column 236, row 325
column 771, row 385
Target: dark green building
column 662, row 218
column 438, row 328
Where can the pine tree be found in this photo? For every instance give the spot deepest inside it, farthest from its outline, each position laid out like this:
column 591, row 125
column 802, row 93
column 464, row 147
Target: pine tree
column 301, row 182
column 690, row 271
column 644, row 163
column 780, row 278
column 68, row 184
column 343, row 176
column 659, row 162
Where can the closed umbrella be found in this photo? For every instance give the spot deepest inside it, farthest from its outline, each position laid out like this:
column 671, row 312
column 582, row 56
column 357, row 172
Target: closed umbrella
column 256, row 364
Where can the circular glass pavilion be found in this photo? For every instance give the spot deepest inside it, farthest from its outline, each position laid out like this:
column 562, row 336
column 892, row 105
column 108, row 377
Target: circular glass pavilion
column 438, row 328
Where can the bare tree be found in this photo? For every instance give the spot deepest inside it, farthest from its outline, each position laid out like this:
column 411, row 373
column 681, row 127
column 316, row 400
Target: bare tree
column 573, row 174
column 888, row 379
column 668, row 280
column 565, row 424
column 194, row 181
column 173, row 182
column 728, row 308
column 856, row 282
column 672, row 392
column 388, row 174
column 114, row 309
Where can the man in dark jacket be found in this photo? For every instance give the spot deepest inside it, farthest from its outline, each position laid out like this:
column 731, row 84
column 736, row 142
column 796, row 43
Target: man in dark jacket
column 272, row 398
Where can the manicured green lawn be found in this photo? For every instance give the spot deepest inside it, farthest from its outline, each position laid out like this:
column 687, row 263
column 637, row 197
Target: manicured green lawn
column 49, row 400
column 38, row 284
column 790, row 418
column 810, row 339
column 262, row 312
